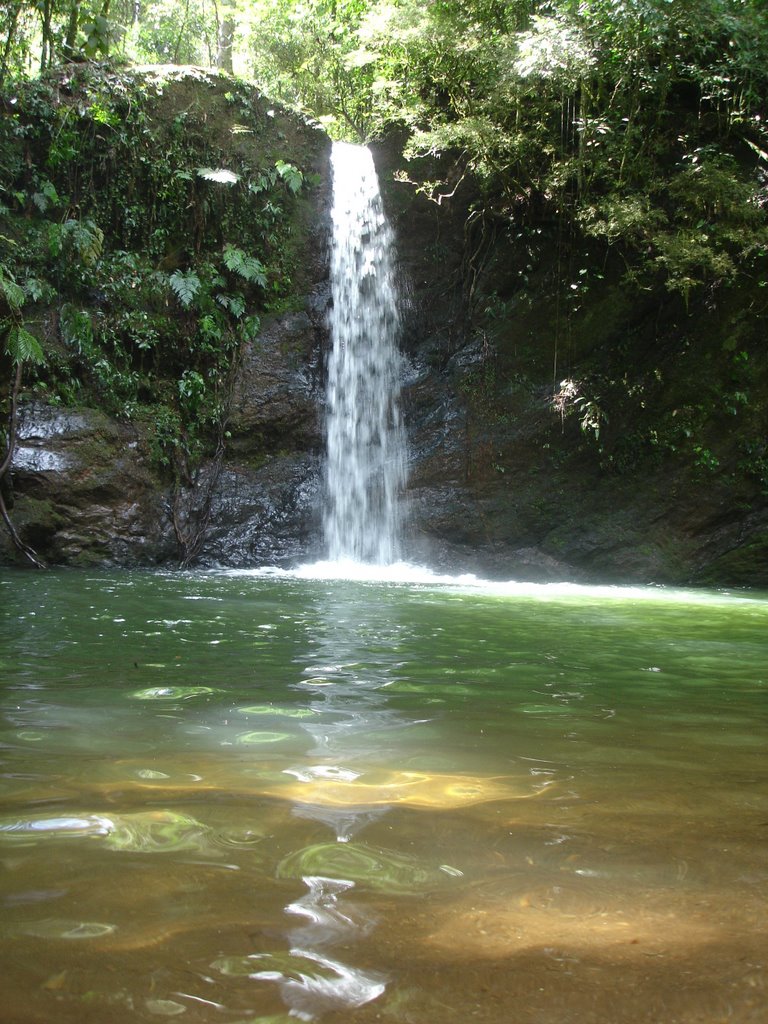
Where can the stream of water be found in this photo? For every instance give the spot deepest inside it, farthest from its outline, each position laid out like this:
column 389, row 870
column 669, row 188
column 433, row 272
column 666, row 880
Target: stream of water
column 365, row 438
column 261, row 797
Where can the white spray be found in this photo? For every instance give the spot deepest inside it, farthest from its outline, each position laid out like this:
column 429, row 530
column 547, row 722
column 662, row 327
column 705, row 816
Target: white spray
column 364, row 432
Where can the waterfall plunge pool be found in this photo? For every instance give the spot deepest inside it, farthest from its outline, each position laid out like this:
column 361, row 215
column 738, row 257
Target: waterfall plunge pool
column 266, row 797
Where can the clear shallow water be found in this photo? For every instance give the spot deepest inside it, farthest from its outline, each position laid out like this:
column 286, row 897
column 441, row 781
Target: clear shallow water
column 262, row 797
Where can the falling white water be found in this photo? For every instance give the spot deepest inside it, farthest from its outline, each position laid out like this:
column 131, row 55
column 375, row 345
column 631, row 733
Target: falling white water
column 364, row 432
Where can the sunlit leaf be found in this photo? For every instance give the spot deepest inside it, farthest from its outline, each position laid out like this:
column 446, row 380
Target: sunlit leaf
column 248, row 267
column 291, row 175
column 218, row 174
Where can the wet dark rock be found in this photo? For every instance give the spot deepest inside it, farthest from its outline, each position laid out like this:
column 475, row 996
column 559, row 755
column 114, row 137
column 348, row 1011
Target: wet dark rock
column 278, row 391
column 266, row 516
column 85, row 492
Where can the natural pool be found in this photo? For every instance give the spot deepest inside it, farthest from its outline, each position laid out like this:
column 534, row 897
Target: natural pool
column 246, row 797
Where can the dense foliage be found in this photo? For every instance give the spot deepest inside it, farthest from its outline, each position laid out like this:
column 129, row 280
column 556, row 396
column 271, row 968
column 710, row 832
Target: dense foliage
column 643, row 120
column 139, row 248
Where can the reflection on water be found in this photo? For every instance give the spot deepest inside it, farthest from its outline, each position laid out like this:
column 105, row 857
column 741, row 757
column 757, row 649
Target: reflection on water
column 262, row 797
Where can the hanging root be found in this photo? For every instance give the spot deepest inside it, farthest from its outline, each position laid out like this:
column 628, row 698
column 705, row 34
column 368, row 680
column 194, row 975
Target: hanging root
column 5, row 466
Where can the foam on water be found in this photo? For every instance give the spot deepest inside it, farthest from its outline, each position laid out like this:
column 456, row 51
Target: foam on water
column 411, row 574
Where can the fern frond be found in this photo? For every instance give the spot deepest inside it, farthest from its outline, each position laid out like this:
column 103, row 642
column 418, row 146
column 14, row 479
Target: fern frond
column 185, row 285
column 234, row 303
column 219, row 174
column 11, row 292
column 24, row 347
column 247, row 267
column 291, row 175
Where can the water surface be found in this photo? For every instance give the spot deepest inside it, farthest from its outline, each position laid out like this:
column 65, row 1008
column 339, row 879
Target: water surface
column 246, row 797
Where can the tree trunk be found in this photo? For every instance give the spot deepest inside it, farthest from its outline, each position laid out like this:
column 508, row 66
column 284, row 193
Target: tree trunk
column 5, row 465
column 46, row 50
column 180, row 37
column 226, row 36
column 13, row 21
column 73, row 22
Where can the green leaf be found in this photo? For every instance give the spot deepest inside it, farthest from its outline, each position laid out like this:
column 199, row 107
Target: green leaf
column 85, row 237
column 35, row 289
column 76, row 328
column 291, row 175
column 251, row 327
column 191, row 386
column 11, row 292
column 234, row 303
column 185, row 285
column 24, row 347
column 219, row 174
column 247, row 267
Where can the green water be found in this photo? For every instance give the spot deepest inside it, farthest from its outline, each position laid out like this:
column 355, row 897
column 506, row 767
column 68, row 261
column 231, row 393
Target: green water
column 242, row 797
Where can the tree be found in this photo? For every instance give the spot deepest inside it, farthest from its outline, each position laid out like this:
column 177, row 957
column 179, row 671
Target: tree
column 17, row 346
column 226, row 24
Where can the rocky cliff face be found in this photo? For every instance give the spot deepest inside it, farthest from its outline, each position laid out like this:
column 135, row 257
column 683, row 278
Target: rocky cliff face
column 647, row 466
column 87, row 493
column 638, row 470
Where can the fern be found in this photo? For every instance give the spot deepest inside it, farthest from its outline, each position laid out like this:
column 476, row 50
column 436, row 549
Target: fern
column 20, row 345
column 86, row 238
column 251, row 327
column 76, row 328
column 218, row 174
column 185, row 285
column 35, row 289
column 47, row 196
column 10, row 291
column 291, row 175
column 247, row 267
column 234, row 303
column 24, row 347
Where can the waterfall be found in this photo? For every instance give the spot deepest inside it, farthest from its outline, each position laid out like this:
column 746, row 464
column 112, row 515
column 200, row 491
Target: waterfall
column 364, row 433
